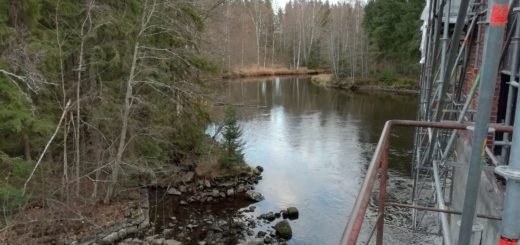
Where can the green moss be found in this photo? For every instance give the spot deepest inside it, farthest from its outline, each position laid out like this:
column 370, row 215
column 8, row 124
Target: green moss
column 283, row 229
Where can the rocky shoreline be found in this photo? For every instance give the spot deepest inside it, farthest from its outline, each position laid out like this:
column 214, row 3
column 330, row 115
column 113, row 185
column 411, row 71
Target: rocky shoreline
column 195, row 210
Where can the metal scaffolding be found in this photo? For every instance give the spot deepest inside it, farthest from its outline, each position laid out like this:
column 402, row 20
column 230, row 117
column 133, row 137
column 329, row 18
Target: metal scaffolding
column 468, row 47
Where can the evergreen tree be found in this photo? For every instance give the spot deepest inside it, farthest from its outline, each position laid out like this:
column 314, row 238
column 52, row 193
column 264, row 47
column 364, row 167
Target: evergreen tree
column 393, row 27
column 232, row 143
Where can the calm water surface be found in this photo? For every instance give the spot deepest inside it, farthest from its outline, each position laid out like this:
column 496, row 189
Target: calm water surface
column 315, row 144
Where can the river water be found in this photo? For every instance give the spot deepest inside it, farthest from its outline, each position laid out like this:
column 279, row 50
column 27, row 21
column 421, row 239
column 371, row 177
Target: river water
column 315, row 144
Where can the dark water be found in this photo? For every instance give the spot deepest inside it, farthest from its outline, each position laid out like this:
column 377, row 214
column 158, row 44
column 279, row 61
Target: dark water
column 315, row 144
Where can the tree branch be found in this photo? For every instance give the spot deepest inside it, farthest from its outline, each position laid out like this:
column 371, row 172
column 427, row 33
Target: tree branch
column 46, row 147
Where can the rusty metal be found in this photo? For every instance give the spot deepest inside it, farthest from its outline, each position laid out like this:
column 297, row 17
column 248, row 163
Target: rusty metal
column 382, row 191
column 448, row 211
column 357, row 215
column 374, row 229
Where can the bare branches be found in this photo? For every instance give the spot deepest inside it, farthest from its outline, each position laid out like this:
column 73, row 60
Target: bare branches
column 165, row 51
column 46, row 147
column 11, row 75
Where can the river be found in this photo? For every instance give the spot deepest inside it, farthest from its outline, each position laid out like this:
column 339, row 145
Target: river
column 315, row 144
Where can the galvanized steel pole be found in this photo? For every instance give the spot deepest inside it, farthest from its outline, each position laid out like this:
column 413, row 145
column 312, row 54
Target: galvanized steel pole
column 511, row 212
column 441, row 204
column 512, row 77
column 450, row 62
column 445, row 79
column 497, row 19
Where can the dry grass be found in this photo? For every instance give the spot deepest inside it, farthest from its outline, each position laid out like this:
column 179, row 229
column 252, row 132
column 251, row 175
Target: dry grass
column 210, row 168
column 277, row 70
column 322, row 79
column 59, row 221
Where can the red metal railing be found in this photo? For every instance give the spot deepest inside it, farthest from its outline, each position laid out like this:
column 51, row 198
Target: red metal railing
column 380, row 161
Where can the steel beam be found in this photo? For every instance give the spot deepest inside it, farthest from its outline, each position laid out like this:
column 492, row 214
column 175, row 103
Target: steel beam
column 511, row 212
column 512, row 78
column 441, row 204
column 382, row 192
column 488, row 75
column 448, row 211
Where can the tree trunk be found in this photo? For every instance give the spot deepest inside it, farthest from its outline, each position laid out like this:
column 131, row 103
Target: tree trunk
column 124, row 126
column 78, row 94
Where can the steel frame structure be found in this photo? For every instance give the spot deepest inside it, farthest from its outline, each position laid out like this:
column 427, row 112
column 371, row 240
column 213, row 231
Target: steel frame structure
column 379, row 162
column 444, row 109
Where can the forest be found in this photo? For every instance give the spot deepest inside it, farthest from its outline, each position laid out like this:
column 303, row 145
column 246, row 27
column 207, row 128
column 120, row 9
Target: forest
column 98, row 96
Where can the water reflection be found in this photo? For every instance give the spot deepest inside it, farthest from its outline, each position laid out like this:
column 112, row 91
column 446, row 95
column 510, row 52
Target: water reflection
column 315, row 144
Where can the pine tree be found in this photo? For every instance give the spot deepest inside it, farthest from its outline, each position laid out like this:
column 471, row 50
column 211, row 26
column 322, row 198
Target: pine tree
column 232, row 133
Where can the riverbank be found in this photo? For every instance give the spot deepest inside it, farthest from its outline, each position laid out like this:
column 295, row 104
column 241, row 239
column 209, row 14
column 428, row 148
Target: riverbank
column 259, row 71
column 397, row 85
column 185, row 204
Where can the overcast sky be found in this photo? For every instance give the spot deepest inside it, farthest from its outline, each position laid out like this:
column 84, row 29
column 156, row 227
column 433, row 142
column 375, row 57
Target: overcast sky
column 281, row 3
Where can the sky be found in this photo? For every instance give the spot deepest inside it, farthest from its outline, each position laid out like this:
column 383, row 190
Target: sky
column 281, row 3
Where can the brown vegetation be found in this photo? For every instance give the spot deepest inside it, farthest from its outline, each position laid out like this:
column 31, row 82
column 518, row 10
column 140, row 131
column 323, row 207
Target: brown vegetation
column 258, row 71
column 400, row 84
column 310, row 34
column 58, row 221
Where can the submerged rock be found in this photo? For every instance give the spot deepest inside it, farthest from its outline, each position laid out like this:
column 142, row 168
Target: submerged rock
column 254, row 196
column 283, row 229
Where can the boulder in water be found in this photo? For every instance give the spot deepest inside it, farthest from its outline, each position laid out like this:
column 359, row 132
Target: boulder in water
column 292, row 213
column 283, row 229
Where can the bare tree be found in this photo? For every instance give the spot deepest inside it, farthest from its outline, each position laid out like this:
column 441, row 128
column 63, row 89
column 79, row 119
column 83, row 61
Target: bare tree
column 86, row 26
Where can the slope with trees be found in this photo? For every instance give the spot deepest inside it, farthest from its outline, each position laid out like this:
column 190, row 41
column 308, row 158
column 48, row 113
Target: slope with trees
column 94, row 95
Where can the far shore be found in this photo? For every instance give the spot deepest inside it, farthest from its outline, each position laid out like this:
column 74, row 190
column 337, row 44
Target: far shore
column 400, row 85
column 261, row 72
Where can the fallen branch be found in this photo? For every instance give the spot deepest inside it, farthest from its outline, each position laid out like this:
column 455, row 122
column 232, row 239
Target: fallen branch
column 46, row 147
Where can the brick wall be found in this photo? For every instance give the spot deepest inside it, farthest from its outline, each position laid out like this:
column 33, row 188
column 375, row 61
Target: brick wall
column 476, row 50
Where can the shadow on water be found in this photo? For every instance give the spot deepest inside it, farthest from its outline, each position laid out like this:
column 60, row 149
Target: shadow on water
column 197, row 221
column 315, row 144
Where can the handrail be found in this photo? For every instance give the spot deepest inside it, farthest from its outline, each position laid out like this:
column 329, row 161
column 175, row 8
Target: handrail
column 380, row 161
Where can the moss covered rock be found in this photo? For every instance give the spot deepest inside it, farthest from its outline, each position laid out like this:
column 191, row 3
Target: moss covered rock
column 283, row 229
column 292, row 213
